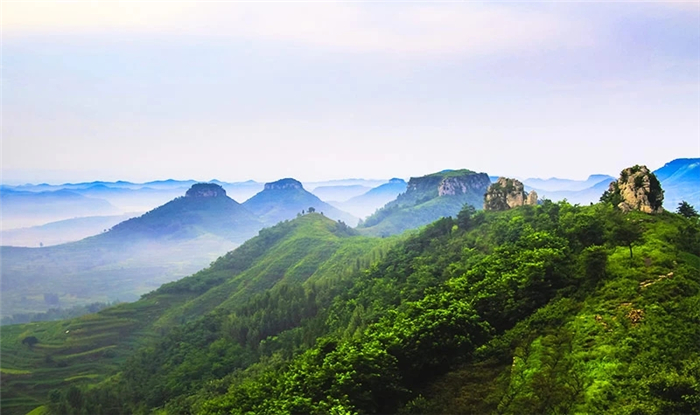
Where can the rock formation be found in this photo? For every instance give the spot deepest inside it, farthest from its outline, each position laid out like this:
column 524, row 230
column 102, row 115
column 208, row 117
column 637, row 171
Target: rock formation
column 205, row 190
column 636, row 189
column 448, row 183
column 284, row 184
column 506, row 194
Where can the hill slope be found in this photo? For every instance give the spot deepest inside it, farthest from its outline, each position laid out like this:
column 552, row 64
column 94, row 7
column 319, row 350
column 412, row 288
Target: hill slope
column 311, row 251
column 367, row 203
column 680, row 180
column 427, row 199
column 134, row 257
column 538, row 309
column 286, row 198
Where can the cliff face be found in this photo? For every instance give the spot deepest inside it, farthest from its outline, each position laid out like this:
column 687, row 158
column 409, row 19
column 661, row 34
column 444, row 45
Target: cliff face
column 463, row 185
column 427, row 199
column 205, row 190
column 636, row 189
column 451, row 183
column 284, row 184
column 506, row 194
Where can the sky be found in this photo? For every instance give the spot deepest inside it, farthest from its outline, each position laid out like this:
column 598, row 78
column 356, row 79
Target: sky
column 152, row 90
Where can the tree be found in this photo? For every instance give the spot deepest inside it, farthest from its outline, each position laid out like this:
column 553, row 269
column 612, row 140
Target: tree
column 311, row 209
column 464, row 217
column 30, row 341
column 687, row 210
column 626, row 232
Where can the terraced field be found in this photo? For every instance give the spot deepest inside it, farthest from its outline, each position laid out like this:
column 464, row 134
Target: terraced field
column 72, row 352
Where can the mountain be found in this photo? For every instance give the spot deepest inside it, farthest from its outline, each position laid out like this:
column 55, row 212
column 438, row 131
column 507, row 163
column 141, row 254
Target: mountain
column 370, row 183
column 365, row 204
column 427, row 199
column 539, row 309
column 557, row 185
column 133, row 257
column 281, row 261
column 582, row 197
column 339, row 193
column 286, row 198
column 55, row 233
column 205, row 208
column 680, row 180
column 22, row 208
column 131, row 199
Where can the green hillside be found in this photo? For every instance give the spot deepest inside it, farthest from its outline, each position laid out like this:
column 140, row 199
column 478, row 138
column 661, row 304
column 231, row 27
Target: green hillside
column 540, row 309
column 134, row 257
column 309, row 250
column 428, row 199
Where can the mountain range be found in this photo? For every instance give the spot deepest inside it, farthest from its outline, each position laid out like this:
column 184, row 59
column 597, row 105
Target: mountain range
column 190, row 231
column 544, row 309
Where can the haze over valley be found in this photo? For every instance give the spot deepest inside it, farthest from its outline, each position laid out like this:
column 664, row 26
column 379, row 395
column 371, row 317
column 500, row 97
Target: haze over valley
column 349, row 208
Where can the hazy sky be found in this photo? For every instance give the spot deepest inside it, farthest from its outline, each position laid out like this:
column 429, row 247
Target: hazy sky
column 235, row 91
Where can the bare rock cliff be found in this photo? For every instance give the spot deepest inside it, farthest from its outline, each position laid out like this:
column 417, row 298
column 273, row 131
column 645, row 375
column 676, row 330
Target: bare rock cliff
column 506, row 194
column 636, row 189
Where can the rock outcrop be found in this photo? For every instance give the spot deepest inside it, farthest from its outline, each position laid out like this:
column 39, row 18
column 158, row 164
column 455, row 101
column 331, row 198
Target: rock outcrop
column 284, row 184
column 506, row 194
column 205, row 190
column 636, row 189
column 448, row 183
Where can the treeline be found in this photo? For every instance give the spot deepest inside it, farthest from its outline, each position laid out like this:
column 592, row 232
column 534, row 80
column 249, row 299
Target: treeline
column 54, row 314
column 542, row 309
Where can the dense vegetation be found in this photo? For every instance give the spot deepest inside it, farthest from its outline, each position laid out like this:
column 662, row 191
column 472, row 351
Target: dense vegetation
column 90, row 349
column 541, row 309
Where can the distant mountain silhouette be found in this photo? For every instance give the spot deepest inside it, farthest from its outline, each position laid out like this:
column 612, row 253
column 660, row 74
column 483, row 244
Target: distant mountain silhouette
column 135, row 256
column 284, row 199
column 680, row 180
column 367, row 203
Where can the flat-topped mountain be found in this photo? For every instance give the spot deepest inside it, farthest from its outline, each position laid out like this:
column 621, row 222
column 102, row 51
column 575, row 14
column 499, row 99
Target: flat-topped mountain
column 133, row 257
column 427, row 199
column 286, row 198
column 205, row 208
column 206, row 190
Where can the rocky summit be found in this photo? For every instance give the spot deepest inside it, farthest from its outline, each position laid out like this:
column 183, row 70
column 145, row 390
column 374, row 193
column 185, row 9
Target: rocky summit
column 506, row 194
column 205, row 190
column 636, row 189
column 284, row 184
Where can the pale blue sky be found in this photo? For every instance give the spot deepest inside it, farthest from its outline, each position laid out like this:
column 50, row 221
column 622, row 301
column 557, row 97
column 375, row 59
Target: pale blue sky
column 236, row 91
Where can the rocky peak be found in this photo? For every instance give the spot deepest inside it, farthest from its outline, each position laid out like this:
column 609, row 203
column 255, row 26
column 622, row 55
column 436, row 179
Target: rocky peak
column 397, row 181
column 506, row 194
column 283, row 185
column 459, row 185
column 449, row 183
column 636, row 189
column 205, row 190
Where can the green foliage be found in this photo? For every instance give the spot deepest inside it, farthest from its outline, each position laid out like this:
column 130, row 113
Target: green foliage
column 687, row 210
column 531, row 310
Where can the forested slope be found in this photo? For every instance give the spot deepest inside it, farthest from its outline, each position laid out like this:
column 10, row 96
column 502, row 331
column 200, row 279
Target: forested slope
column 67, row 354
column 541, row 309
